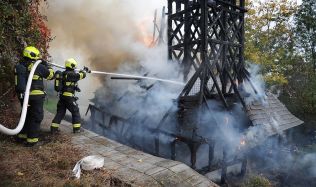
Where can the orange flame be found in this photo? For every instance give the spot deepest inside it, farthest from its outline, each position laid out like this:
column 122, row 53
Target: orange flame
column 145, row 36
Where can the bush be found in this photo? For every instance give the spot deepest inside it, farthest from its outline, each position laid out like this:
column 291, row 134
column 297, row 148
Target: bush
column 21, row 24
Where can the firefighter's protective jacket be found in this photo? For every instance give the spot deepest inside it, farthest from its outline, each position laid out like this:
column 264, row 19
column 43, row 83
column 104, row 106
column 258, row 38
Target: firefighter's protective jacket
column 70, row 79
column 22, row 71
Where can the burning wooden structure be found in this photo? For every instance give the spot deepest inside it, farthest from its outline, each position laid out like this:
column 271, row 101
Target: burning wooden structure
column 207, row 38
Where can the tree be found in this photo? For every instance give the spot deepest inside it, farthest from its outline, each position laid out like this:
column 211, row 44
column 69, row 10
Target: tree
column 270, row 37
column 306, row 31
column 300, row 93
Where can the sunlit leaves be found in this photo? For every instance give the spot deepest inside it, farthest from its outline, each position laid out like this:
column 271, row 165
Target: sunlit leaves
column 269, row 37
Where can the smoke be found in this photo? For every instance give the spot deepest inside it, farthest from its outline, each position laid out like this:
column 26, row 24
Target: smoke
column 146, row 98
column 259, row 85
column 101, row 31
column 141, row 105
column 100, row 34
column 112, row 35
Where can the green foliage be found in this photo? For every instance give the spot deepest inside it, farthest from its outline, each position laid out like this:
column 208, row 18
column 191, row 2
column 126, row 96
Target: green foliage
column 281, row 37
column 300, row 94
column 21, row 24
column 306, row 30
column 257, row 181
column 270, row 38
column 51, row 104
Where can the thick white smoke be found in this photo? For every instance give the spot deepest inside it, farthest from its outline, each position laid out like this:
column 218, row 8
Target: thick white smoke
column 101, row 34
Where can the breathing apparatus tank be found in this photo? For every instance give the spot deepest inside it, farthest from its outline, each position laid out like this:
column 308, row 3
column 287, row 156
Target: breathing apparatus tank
column 58, row 85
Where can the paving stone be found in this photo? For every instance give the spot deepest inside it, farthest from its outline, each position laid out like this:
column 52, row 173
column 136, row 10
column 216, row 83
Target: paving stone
column 65, row 129
column 105, row 141
column 119, row 157
column 154, row 170
column 196, row 179
column 130, row 151
column 113, row 143
column 206, row 184
column 89, row 134
column 128, row 175
column 135, row 164
column 163, row 174
column 91, row 146
column 178, row 168
column 187, row 173
column 121, row 148
column 107, row 160
column 104, row 151
column 110, row 153
column 98, row 148
column 168, row 178
column 90, row 151
column 79, row 139
column 153, row 159
column 112, row 165
column 126, row 150
column 146, row 180
column 167, row 163
column 141, row 155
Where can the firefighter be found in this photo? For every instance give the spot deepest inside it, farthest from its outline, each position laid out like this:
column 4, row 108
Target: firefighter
column 35, row 112
column 67, row 98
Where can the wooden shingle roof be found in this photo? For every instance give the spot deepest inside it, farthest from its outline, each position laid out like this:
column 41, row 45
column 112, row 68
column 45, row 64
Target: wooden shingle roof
column 269, row 117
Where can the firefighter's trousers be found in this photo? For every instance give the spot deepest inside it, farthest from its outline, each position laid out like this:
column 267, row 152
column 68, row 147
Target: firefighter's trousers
column 65, row 103
column 34, row 117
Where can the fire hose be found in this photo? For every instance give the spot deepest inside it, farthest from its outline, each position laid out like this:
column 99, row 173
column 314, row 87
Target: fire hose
column 15, row 131
column 126, row 75
column 20, row 125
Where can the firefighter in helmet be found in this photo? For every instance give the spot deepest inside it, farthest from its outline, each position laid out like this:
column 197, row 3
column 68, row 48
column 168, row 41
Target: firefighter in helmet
column 67, row 99
column 35, row 112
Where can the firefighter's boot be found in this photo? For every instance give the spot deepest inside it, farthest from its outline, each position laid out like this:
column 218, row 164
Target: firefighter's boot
column 76, row 128
column 54, row 128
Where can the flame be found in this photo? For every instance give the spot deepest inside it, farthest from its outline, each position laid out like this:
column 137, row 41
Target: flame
column 145, row 35
column 243, row 140
column 242, row 144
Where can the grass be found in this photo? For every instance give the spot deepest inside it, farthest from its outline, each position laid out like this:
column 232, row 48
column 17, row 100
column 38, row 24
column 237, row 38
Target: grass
column 51, row 104
column 257, row 181
column 48, row 165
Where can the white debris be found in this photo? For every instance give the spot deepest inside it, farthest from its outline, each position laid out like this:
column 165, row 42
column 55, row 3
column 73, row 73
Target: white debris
column 88, row 163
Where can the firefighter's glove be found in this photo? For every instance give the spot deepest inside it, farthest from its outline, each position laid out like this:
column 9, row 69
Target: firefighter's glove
column 77, row 89
column 86, row 69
